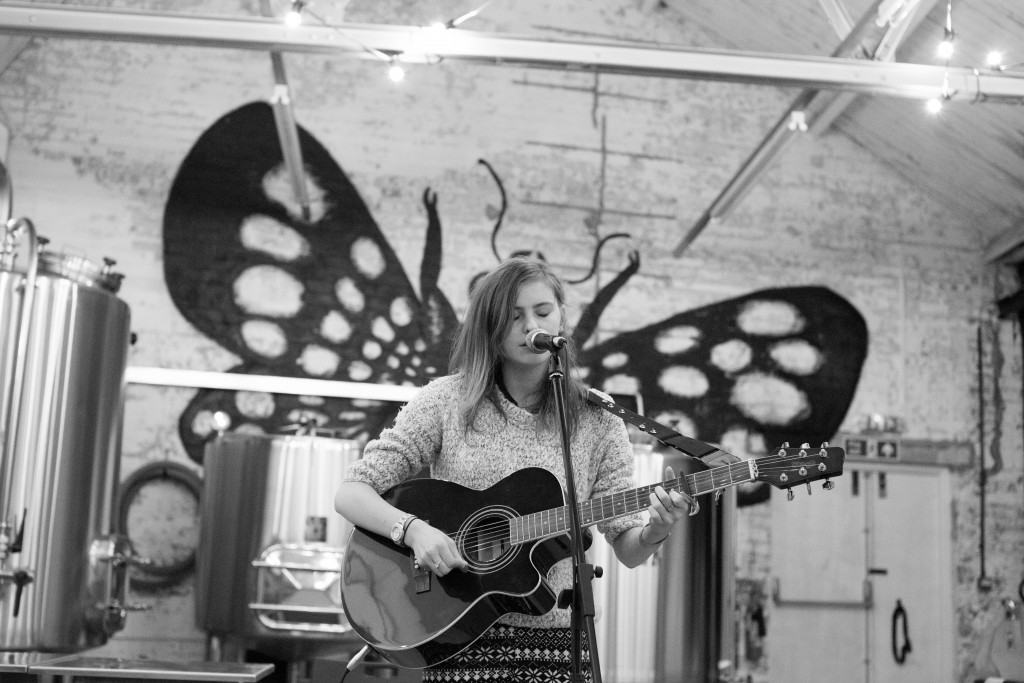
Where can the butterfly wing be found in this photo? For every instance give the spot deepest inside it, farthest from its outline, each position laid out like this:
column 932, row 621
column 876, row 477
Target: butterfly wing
column 325, row 298
column 780, row 363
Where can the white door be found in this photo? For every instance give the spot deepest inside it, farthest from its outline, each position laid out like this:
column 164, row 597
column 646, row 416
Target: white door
column 843, row 558
column 911, row 568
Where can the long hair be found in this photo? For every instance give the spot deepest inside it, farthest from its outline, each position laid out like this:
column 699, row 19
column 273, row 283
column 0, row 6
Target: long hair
column 476, row 353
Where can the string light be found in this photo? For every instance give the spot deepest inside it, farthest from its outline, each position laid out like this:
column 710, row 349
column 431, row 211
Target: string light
column 293, row 18
column 949, row 35
column 396, row 72
column 934, row 105
column 945, row 49
column 994, row 60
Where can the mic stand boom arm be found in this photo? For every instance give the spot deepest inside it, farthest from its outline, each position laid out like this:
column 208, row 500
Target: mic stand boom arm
column 582, row 598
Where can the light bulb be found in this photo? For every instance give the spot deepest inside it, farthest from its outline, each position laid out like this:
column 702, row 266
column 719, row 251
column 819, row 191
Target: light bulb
column 946, row 49
column 933, row 106
column 221, row 421
column 396, row 73
column 293, row 18
column 994, row 59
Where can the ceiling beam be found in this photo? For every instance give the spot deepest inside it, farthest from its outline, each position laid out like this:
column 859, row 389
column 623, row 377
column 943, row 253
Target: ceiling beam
column 411, row 43
column 813, row 110
column 1007, row 247
column 801, row 113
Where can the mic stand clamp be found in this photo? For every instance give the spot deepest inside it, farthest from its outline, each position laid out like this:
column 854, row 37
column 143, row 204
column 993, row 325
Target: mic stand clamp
column 581, row 595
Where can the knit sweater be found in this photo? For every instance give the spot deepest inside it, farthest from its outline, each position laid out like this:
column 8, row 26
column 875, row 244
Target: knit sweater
column 430, row 432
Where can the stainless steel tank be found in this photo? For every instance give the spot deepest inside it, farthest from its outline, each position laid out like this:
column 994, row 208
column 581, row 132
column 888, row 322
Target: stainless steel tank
column 268, row 566
column 670, row 619
column 64, row 337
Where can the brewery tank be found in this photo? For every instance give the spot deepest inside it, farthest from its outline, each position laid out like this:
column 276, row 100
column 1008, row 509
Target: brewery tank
column 64, row 337
column 268, row 567
column 670, row 619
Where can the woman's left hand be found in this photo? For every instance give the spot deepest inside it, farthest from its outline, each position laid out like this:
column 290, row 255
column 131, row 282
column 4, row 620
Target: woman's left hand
column 666, row 508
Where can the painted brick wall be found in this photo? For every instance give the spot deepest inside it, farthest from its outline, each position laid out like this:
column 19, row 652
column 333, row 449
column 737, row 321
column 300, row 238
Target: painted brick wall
column 97, row 131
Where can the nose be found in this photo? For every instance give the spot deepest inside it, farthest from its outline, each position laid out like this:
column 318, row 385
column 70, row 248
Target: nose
column 530, row 323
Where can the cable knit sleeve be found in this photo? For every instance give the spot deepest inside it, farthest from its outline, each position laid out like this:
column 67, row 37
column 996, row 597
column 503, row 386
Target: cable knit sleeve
column 412, row 444
column 614, row 472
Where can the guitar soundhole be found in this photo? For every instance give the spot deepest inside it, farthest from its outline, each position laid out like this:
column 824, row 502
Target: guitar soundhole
column 485, row 540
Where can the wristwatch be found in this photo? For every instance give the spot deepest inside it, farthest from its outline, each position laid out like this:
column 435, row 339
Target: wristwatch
column 398, row 529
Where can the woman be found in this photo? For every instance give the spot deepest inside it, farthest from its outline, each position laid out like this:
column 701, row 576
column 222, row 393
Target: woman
column 493, row 416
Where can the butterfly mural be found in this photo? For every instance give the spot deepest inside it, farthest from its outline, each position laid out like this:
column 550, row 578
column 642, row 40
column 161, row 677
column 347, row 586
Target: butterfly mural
column 326, row 297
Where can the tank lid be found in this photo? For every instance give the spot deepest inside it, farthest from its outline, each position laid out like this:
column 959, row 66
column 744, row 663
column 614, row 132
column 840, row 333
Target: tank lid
column 81, row 270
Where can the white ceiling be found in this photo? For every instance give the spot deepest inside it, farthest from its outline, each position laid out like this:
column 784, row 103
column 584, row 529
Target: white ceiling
column 970, row 157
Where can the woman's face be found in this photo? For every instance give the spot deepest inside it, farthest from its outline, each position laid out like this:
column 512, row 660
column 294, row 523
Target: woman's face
column 535, row 308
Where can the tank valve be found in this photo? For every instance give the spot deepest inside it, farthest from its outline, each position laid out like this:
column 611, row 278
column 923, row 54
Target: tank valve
column 109, row 559
column 20, row 578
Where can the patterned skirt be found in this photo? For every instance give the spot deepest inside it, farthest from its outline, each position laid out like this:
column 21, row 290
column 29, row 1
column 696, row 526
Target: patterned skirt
column 514, row 654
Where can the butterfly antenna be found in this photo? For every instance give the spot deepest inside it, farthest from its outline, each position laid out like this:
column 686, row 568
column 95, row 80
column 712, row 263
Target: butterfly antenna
column 597, row 255
column 501, row 212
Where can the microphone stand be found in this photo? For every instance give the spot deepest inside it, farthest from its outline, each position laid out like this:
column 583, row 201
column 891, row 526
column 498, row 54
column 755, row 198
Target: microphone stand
column 582, row 592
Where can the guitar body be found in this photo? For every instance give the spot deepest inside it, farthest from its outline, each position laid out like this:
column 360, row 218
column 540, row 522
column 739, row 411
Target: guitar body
column 414, row 618
column 511, row 535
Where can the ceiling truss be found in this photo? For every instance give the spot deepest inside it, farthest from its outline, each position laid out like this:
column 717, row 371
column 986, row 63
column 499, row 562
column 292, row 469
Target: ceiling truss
column 412, row 43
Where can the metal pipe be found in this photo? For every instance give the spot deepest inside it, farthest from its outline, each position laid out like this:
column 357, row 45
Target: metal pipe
column 919, row 81
column 983, row 581
column 300, row 386
column 287, row 128
column 21, row 350
column 6, row 195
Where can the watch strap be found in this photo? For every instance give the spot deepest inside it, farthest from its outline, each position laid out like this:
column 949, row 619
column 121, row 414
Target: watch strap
column 399, row 528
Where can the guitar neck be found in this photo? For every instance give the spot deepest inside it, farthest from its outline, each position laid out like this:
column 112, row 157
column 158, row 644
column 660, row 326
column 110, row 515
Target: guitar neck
column 556, row 521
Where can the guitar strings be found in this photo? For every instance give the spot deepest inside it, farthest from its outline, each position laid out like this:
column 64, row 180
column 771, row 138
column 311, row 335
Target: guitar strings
column 492, row 533
column 498, row 530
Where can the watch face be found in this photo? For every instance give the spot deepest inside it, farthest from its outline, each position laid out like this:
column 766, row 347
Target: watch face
column 396, row 533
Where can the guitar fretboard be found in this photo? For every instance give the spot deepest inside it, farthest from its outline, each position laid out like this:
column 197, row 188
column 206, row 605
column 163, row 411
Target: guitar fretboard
column 556, row 521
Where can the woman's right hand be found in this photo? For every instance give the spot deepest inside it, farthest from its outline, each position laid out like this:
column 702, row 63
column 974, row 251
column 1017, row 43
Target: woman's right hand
column 433, row 549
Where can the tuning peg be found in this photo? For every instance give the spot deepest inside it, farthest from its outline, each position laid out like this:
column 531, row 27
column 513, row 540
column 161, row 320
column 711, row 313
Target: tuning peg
column 824, row 444
column 805, row 445
column 785, row 444
column 808, row 488
column 828, row 485
column 789, row 494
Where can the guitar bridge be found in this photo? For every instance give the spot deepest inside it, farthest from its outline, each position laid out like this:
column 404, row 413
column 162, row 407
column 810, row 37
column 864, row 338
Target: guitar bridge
column 420, row 576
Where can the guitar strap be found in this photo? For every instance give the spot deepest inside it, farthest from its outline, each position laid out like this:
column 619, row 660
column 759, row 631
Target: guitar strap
column 704, row 452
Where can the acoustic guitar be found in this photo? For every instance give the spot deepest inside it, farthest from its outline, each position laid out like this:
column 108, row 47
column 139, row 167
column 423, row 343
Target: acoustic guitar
column 510, row 534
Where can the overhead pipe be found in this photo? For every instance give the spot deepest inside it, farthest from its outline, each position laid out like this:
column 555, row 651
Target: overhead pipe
column 288, row 128
column 918, row 81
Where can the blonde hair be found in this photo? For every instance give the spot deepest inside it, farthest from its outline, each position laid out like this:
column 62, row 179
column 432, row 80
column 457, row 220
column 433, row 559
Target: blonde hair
column 476, row 354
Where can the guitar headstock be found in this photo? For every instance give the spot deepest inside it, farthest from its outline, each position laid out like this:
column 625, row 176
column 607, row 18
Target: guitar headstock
column 787, row 467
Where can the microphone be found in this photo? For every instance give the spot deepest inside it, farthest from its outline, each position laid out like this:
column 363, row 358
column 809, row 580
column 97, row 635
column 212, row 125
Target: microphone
column 540, row 341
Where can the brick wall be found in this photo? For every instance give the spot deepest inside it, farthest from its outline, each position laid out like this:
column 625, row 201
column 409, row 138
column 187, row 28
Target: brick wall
column 97, row 131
